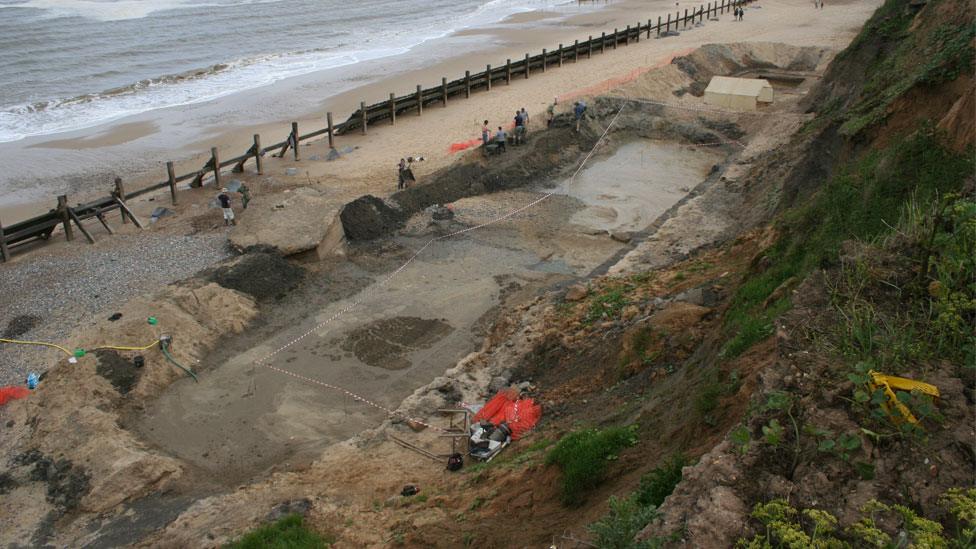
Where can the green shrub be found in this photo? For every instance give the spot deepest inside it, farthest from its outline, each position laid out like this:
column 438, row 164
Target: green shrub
column 583, row 458
column 658, row 484
column 287, row 533
column 618, row 528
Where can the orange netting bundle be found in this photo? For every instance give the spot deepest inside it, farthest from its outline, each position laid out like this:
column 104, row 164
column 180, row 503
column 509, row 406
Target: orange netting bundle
column 12, row 392
column 521, row 414
column 462, row 145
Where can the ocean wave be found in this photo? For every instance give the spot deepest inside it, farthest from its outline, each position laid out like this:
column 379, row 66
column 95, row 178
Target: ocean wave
column 119, row 10
column 50, row 116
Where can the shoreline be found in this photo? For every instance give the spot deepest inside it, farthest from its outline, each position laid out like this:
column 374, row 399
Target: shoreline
column 82, row 163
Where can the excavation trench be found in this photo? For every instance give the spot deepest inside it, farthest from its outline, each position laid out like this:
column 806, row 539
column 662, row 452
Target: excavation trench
column 242, row 420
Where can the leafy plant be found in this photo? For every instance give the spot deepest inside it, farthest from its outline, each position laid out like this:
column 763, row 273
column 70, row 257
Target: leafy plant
column 740, row 436
column 618, row 528
column 658, row 484
column 287, row 533
column 583, row 457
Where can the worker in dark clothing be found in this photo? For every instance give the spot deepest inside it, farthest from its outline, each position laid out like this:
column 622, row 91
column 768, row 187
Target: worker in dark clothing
column 224, row 199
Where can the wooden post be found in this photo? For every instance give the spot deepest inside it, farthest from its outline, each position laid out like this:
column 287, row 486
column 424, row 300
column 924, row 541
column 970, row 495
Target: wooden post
column 603, row 41
column 659, row 25
column 444, row 89
column 508, row 71
column 65, row 220
column 648, row 29
column 685, row 20
column 701, row 13
column 171, row 175
column 575, row 51
column 560, row 55
column 294, row 144
column 668, row 28
column 528, row 69
column 258, row 159
column 84, row 231
column 627, row 36
column 101, row 219
column 328, row 120
column 363, row 119
column 392, row 109
column 467, row 84
column 615, row 35
column 488, row 78
column 545, row 57
column 120, row 192
column 420, row 100
column 637, row 34
column 589, row 47
column 125, row 208
column 215, row 158
column 4, row 252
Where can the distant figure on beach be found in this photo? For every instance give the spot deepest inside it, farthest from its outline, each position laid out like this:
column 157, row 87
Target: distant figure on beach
column 578, row 110
column 519, row 128
column 525, row 116
column 485, row 133
column 224, row 200
column 500, row 138
column 245, row 195
column 550, row 114
column 401, row 168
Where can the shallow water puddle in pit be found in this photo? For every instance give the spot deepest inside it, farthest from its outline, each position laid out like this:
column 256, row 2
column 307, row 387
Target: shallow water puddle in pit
column 638, row 183
column 240, row 419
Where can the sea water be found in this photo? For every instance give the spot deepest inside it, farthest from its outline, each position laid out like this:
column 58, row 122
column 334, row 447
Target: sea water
column 73, row 64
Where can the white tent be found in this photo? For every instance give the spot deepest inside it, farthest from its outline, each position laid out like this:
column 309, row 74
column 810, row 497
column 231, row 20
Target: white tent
column 738, row 93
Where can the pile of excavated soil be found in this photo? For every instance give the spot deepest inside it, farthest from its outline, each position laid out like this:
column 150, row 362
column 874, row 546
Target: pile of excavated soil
column 20, row 325
column 263, row 273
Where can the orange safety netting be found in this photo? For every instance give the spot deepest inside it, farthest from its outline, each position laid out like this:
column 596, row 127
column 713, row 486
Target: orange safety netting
column 12, row 392
column 521, row 414
column 618, row 81
column 462, row 145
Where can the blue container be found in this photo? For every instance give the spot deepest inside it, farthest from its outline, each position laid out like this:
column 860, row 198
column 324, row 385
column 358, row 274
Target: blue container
column 32, row 381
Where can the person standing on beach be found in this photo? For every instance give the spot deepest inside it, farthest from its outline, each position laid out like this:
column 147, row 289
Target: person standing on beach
column 225, row 206
column 519, row 128
column 525, row 117
column 245, row 195
column 485, row 133
column 550, row 114
column 401, row 183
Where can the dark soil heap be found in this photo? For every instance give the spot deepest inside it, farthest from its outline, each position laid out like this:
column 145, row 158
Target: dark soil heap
column 262, row 273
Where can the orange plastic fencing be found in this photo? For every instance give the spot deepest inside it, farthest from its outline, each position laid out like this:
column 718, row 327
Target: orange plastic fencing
column 463, row 145
column 627, row 78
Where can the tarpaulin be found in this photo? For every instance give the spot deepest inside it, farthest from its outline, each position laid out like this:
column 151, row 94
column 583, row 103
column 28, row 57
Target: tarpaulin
column 521, row 414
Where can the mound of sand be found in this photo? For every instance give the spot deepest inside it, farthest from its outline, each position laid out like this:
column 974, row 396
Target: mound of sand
column 292, row 222
column 72, row 424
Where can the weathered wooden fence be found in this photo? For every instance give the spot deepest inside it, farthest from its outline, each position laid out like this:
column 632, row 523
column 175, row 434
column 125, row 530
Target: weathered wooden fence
column 41, row 227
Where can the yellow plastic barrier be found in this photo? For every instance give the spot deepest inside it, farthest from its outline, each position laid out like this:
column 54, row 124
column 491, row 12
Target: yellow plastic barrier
column 891, row 383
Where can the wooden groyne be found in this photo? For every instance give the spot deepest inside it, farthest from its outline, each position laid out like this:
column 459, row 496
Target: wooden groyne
column 42, row 226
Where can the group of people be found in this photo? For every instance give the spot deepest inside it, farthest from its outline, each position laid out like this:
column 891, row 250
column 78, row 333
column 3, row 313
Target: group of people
column 737, row 14
column 500, row 137
column 406, row 176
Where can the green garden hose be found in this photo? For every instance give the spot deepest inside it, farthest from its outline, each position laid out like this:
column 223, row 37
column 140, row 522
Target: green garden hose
column 163, row 345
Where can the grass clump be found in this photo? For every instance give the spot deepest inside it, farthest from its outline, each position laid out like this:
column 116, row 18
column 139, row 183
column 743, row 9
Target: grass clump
column 287, row 533
column 628, row 516
column 583, row 457
column 863, row 203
